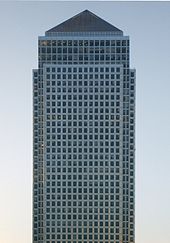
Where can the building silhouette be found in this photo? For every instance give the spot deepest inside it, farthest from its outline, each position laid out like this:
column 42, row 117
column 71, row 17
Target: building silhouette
column 84, row 134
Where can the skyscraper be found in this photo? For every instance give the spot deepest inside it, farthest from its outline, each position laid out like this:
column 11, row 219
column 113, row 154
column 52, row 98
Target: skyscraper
column 84, row 134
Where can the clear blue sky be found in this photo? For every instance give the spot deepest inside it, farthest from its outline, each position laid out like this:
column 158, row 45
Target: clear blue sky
column 148, row 24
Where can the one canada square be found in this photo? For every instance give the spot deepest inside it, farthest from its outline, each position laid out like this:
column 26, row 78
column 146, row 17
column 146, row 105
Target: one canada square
column 84, row 134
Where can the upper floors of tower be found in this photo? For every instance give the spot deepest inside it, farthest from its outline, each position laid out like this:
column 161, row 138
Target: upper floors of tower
column 84, row 39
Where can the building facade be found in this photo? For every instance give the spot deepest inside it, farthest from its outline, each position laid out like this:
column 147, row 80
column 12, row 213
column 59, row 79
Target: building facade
column 84, row 134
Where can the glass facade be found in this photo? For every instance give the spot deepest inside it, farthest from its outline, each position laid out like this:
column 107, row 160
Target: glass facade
column 84, row 116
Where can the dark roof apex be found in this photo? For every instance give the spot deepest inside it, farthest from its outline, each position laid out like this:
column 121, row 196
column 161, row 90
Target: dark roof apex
column 85, row 21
